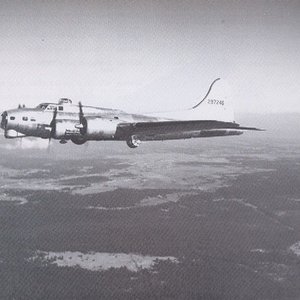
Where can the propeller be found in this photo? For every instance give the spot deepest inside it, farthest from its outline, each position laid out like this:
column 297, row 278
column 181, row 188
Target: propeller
column 53, row 127
column 82, row 126
column 4, row 122
column 82, row 121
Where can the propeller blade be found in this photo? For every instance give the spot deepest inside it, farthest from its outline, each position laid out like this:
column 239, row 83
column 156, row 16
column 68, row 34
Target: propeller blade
column 53, row 128
column 81, row 115
column 82, row 121
column 3, row 120
column 53, row 124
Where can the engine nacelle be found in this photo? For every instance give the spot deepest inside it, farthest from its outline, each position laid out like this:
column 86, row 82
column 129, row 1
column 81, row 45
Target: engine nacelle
column 101, row 129
column 97, row 128
column 66, row 129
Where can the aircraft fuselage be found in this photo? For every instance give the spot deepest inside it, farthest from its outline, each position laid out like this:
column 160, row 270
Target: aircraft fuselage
column 65, row 121
column 35, row 122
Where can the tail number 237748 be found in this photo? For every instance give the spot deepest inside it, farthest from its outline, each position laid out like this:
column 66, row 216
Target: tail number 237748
column 215, row 101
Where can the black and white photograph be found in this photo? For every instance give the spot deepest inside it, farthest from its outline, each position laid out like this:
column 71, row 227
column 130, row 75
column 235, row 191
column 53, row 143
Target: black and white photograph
column 150, row 149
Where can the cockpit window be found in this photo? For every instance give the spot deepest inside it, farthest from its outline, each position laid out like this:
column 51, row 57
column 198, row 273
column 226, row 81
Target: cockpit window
column 61, row 108
column 42, row 106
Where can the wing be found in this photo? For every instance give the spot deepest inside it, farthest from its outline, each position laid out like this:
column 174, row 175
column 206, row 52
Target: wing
column 178, row 129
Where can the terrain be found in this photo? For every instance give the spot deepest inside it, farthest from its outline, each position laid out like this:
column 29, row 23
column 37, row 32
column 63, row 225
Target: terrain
column 196, row 219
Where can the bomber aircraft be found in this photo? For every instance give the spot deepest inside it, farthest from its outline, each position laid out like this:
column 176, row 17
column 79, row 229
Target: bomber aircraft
column 65, row 121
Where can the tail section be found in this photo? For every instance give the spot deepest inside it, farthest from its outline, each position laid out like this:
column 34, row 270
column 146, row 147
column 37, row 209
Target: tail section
column 208, row 92
column 215, row 105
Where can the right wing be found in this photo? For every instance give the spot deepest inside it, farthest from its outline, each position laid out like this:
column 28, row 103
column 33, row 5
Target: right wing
column 178, row 129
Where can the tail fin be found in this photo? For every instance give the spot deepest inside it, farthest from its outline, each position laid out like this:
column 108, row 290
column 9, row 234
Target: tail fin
column 214, row 106
column 216, row 103
column 209, row 90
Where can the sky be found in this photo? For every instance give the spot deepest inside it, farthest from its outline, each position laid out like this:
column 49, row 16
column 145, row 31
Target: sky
column 150, row 55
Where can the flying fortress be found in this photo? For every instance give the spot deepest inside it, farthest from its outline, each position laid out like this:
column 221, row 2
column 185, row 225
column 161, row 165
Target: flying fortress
column 65, row 121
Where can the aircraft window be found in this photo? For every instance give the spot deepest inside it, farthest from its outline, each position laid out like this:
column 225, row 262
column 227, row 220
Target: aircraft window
column 65, row 100
column 117, row 118
column 60, row 108
column 25, row 118
column 33, row 120
column 12, row 118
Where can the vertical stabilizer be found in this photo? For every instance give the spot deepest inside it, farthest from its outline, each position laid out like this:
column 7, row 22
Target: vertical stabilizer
column 216, row 105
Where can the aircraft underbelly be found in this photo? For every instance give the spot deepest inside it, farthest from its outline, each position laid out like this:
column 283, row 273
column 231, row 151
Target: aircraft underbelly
column 33, row 130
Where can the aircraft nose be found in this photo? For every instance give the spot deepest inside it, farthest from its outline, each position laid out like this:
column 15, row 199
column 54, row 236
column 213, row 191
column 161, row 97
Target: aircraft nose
column 4, row 120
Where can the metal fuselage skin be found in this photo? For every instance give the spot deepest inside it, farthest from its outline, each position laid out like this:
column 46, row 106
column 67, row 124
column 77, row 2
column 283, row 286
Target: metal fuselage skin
column 102, row 122
column 211, row 117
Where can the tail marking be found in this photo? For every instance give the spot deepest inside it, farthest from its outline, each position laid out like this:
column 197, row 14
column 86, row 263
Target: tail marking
column 206, row 93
